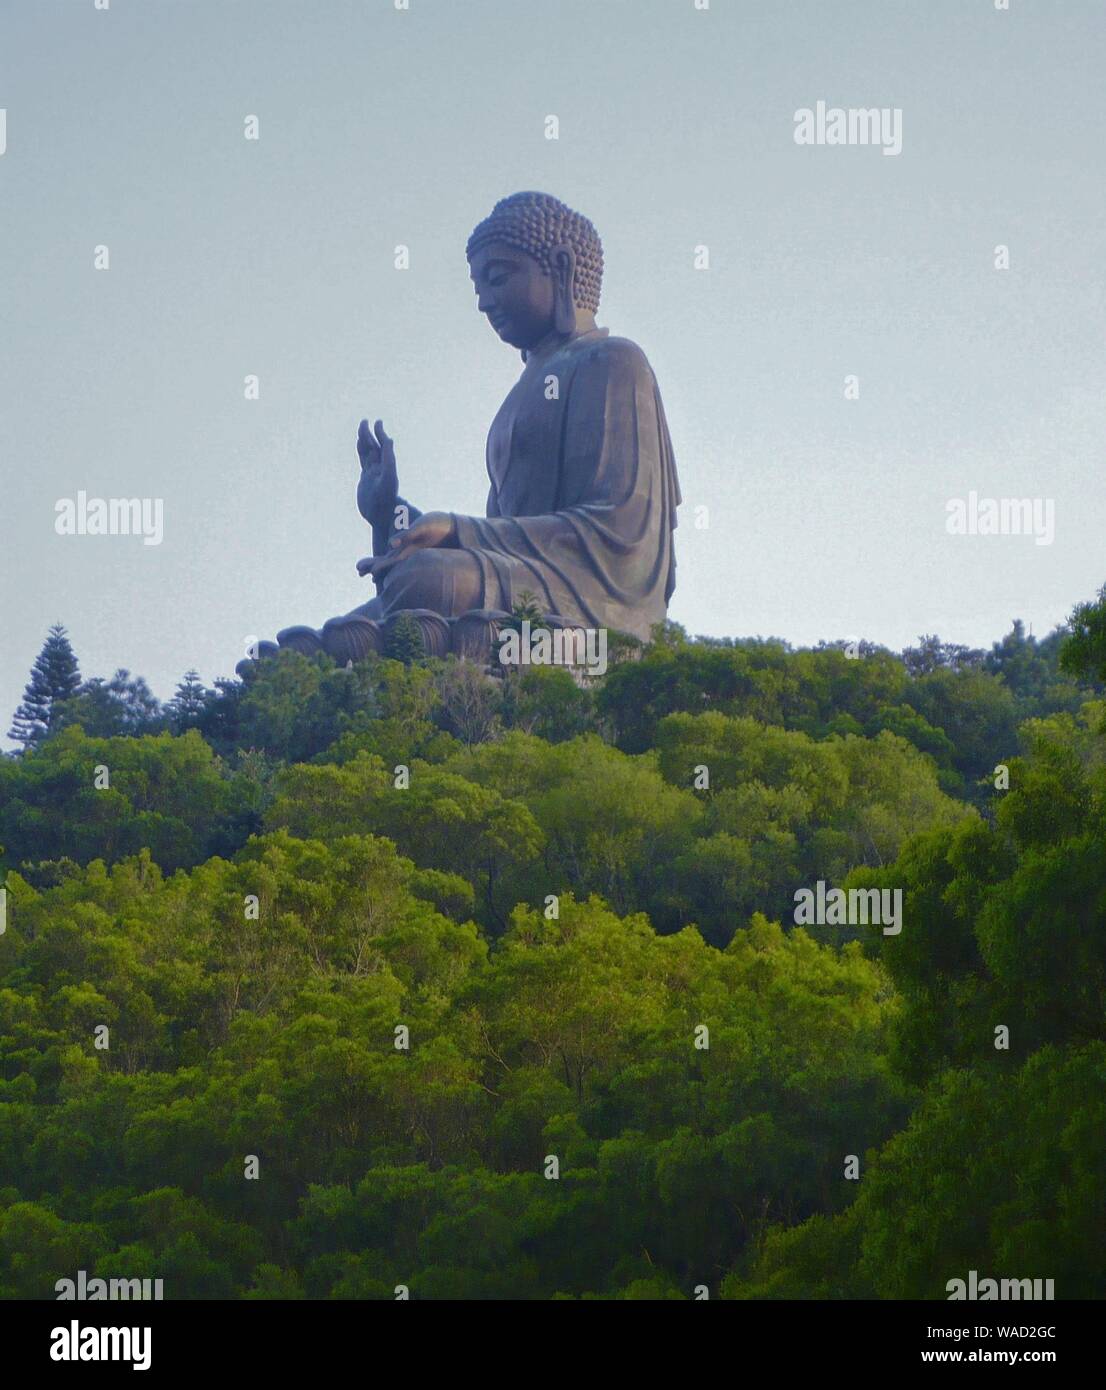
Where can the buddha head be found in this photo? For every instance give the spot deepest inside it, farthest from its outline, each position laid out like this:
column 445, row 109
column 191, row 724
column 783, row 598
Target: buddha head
column 537, row 268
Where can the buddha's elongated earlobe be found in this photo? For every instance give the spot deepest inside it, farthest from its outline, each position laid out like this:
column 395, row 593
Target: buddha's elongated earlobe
column 562, row 260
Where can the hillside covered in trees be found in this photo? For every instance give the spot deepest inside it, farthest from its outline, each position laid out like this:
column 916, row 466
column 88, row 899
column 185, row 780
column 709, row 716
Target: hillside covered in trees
column 327, row 981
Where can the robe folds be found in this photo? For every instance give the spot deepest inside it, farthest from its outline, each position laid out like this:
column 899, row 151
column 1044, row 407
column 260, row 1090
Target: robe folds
column 584, row 491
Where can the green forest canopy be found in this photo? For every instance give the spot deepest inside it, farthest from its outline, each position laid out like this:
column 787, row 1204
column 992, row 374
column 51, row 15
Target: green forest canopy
column 404, row 934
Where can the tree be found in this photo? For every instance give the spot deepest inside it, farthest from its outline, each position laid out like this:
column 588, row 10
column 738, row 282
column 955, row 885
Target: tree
column 188, row 705
column 54, row 678
column 404, row 642
column 931, row 654
column 1084, row 653
column 524, row 610
column 545, row 700
column 977, row 711
column 996, row 1173
column 471, row 700
column 168, row 795
column 124, row 705
column 442, row 820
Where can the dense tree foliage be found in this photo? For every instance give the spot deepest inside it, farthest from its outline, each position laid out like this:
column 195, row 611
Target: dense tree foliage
column 1002, row 976
column 331, row 980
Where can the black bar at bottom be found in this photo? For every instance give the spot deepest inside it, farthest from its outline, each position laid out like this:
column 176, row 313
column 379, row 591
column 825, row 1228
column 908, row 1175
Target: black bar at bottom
column 286, row 1338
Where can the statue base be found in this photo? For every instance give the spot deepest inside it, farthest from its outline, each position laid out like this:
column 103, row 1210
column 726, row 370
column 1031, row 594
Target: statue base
column 473, row 636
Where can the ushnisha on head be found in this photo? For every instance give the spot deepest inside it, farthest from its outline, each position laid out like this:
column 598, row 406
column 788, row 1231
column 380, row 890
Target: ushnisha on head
column 537, row 267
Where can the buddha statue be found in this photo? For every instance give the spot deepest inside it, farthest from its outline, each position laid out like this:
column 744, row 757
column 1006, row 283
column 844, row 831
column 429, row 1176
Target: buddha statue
column 583, row 489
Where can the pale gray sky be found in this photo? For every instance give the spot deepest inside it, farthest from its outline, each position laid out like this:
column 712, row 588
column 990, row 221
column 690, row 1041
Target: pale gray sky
column 228, row 257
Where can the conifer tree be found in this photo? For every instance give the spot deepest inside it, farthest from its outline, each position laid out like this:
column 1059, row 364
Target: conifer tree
column 189, row 702
column 54, row 677
column 404, row 641
column 524, row 609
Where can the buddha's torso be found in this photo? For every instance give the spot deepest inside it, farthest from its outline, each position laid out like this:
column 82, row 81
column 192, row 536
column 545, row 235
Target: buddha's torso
column 525, row 440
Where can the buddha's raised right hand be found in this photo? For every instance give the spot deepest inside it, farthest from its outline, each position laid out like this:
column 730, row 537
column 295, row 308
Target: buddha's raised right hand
column 378, row 485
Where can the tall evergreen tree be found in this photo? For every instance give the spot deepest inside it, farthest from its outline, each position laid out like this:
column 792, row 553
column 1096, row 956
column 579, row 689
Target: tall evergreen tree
column 189, row 702
column 54, row 677
column 404, row 640
column 525, row 609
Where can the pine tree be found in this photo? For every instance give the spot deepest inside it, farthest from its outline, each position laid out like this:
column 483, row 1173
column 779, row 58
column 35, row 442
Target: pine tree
column 54, row 677
column 404, row 641
column 524, row 609
column 188, row 704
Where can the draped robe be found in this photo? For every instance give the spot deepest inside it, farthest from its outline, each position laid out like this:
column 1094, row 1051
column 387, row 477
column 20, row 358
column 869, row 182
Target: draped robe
column 582, row 503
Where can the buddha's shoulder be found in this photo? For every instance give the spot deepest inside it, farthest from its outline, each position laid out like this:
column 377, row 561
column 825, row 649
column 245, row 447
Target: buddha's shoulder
column 609, row 352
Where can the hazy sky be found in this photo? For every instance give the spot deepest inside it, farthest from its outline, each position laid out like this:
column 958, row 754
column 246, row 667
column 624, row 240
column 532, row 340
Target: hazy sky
column 275, row 257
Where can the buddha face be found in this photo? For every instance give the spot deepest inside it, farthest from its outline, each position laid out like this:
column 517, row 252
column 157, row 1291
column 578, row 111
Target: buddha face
column 515, row 292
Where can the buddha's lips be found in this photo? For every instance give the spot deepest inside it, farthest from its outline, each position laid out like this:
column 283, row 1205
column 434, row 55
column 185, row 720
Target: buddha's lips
column 497, row 321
